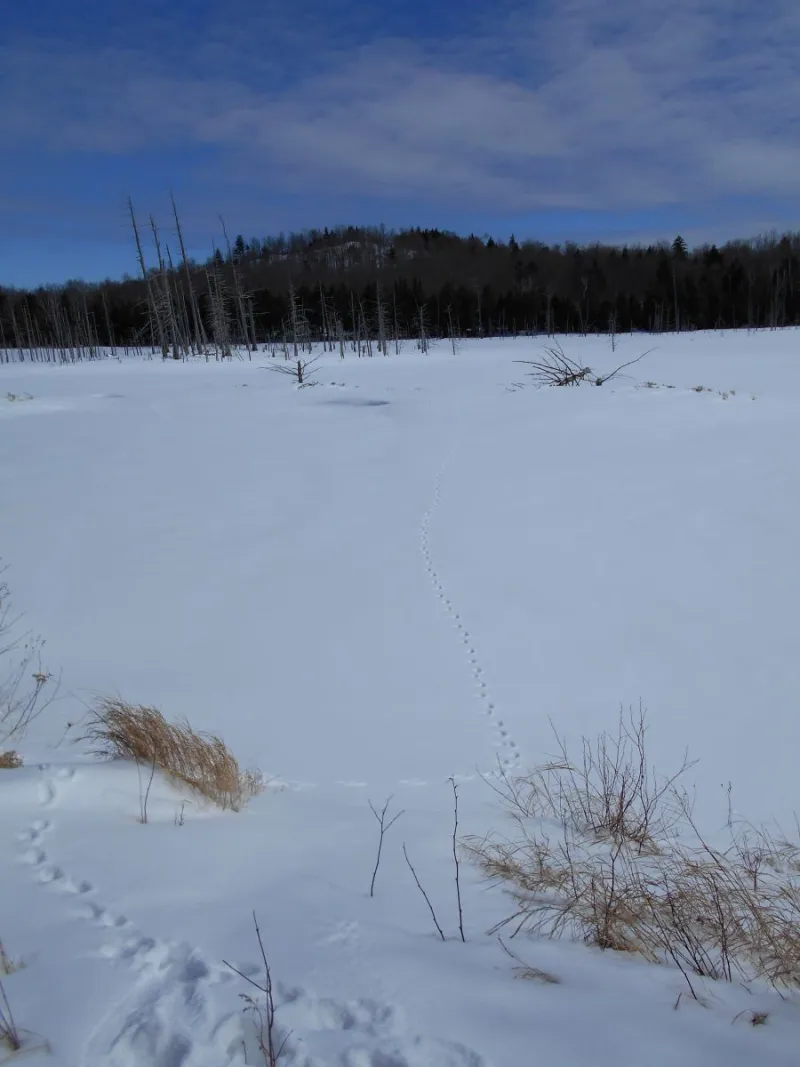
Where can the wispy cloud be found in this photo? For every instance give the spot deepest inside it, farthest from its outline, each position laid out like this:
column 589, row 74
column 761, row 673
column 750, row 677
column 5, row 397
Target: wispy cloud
column 568, row 104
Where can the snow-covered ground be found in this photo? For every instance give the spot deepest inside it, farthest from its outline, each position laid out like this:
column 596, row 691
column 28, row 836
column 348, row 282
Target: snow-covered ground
column 402, row 574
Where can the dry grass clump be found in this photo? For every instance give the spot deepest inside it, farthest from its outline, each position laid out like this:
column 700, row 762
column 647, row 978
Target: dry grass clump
column 7, row 964
column 26, row 689
column 626, row 868
column 9, row 1034
column 119, row 730
column 9, row 761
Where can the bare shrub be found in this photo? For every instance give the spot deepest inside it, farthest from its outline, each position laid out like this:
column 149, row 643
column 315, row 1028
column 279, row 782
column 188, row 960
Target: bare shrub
column 271, row 1044
column 609, row 792
column 555, row 368
column 567, row 889
column 26, row 689
column 119, row 730
column 630, row 870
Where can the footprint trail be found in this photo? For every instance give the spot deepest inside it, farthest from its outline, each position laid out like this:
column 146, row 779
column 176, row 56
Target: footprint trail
column 509, row 752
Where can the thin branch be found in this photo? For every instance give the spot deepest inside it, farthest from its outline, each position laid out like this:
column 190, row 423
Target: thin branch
column 384, row 828
column 266, row 1036
column 455, row 860
column 425, row 895
column 607, row 377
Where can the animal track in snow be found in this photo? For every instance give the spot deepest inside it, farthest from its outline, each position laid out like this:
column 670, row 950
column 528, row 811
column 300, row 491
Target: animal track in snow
column 184, row 1011
column 344, row 933
column 171, row 1017
column 35, row 854
column 510, row 757
column 363, row 1032
column 48, row 788
column 176, row 1016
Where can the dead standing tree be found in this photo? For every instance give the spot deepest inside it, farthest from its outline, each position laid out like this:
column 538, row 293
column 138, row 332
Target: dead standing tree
column 156, row 322
column 238, row 294
column 200, row 340
column 220, row 323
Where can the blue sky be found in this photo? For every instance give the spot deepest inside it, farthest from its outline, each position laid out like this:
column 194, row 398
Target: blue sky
column 617, row 120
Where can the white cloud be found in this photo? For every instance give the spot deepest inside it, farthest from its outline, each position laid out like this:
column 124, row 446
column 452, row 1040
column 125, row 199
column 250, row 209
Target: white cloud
column 583, row 104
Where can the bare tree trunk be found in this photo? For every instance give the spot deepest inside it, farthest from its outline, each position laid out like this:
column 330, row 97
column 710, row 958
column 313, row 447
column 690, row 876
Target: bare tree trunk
column 200, row 339
column 294, row 313
column 394, row 315
column 109, row 331
column 365, row 327
column 424, row 344
column 383, row 348
column 450, row 328
column 165, row 301
column 157, row 325
column 237, row 289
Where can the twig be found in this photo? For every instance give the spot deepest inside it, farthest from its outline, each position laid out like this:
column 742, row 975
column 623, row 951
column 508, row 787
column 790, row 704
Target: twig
column 425, row 895
column 607, row 377
column 384, row 829
column 455, row 860
column 526, row 970
column 266, row 1036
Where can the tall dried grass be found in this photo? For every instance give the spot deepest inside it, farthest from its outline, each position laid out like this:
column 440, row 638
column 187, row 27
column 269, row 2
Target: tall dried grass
column 627, row 868
column 117, row 729
column 9, row 1033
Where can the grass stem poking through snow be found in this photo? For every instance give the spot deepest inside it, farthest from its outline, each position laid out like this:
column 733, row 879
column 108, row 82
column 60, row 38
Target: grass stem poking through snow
column 9, row 1034
column 525, row 970
column 145, row 796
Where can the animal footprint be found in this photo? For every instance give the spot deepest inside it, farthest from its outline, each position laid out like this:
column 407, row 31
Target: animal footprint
column 101, row 916
column 344, row 933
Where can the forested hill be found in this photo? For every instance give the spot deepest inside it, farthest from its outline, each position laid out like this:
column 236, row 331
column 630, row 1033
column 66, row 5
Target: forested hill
column 369, row 281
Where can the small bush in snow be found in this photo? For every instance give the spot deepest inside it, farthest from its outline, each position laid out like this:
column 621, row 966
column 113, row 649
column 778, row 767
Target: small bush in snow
column 555, row 368
column 25, row 688
column 609, row 854
column 119, row 730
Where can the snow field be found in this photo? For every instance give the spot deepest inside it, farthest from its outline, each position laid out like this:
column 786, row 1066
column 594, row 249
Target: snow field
column 366, row 587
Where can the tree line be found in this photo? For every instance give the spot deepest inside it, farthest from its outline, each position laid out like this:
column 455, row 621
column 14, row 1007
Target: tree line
column 371, row 287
